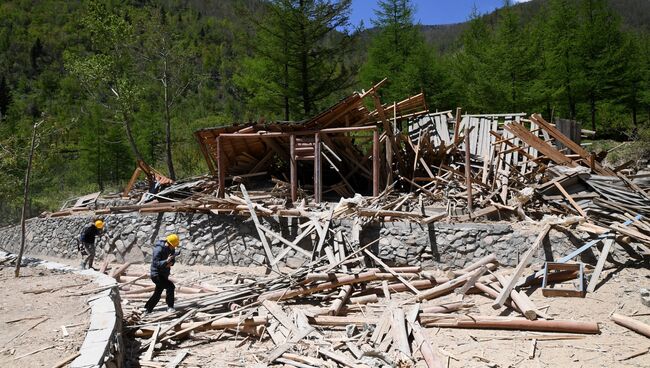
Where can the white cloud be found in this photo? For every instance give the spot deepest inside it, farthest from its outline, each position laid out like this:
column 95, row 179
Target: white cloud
column 520, row 1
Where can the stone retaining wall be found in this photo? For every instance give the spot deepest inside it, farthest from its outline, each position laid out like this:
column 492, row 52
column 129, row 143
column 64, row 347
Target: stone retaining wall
column 233, row 240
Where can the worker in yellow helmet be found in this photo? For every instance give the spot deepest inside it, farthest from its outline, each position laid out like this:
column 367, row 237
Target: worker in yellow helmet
column 87, row 245
column 163, row 258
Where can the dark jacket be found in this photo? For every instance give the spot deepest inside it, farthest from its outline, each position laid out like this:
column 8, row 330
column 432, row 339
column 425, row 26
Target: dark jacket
column 159, row 259
column 88, row 234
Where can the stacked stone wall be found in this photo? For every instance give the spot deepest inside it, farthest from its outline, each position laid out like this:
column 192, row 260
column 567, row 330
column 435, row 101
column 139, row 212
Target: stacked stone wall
column 233, row 240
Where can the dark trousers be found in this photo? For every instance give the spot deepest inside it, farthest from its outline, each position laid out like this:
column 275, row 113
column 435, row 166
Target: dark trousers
column 162, row 283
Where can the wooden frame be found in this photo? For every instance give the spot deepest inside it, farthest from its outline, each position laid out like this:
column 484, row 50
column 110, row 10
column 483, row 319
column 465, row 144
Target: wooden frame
column 555, row 266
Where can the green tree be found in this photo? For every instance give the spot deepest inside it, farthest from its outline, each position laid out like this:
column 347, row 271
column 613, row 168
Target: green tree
column 599, row 45
column 299, row 56
column 398, row 51
column 109, row 72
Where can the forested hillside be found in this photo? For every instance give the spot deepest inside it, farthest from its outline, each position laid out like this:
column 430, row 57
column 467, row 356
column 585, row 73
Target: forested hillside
column 106, row 82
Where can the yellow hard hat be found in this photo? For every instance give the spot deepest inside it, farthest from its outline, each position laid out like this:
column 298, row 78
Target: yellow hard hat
column 173, row 240
column 99, row 224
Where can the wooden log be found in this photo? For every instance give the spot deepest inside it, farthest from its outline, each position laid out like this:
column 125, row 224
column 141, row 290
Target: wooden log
column 523, row 263
column 337, row 305
column 524, row 304
column 508, row 323
column 120, row 270
column 398, row 330
column 632, row 324
column 489, row 259
column 371, row 298
column 442, row 289
column 292, row 293
column 492, row 293
column 431, row 359
column 445, row 308
column 385, row 267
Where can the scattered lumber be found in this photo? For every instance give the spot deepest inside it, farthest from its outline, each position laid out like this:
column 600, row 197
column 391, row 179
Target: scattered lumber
column 509, row 323
column 632, row 324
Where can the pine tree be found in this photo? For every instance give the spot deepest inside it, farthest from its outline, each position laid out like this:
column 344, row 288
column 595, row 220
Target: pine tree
column 599, row 46
column 563, row 72
column 4, row 97
column 299, row 56
column 399, row 52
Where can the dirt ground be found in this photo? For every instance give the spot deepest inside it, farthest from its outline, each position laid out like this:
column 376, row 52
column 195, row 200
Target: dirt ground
column 618, row 292
column 21, row 309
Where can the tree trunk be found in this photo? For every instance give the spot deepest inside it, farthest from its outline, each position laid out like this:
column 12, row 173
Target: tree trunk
column 168, row 126
column 129, row 135
column 592, row 107
column 304, row 63
column 25, row 201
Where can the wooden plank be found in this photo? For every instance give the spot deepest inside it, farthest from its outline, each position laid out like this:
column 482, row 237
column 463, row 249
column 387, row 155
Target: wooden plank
column 568, row 197
column 178, row 359
column 543, row 147
column 277, row 312
column 523, row 263
column 607, row 244
column 573, row 146
column 260, row 232
column 152, row 344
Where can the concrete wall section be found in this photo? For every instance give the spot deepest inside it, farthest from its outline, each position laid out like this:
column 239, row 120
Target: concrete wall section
column 233, row 240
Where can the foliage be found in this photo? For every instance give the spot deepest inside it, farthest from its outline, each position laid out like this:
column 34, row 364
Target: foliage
column 96, row 70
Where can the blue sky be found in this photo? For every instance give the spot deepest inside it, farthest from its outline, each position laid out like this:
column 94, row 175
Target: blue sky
column 429, row 12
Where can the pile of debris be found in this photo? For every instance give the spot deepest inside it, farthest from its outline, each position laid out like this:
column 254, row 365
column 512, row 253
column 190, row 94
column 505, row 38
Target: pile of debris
column 416, row 165
column 348, row 308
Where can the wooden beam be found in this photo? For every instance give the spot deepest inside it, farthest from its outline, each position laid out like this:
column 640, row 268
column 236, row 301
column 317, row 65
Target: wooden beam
column 523, row 263
column 468, row 173
column 318, row 184
column 568, row 197
column 607, row 244
column 294, row 168
column 221, row 169
column 260, row 232
column 376, row 160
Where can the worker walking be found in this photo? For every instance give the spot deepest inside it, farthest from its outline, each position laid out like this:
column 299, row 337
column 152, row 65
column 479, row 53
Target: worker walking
column 87, row 239
column 164, row 257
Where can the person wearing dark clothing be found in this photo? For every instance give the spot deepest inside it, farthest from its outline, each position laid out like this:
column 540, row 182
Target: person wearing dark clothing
column 87, row 239
column 163, row 258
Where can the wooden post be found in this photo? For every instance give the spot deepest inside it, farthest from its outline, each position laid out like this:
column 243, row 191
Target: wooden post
column 221, row 169
column 468, row 173
column 260, row 233
column 376, row 160
column 507, row 288
column 23, row 217
column 317, row 169
column 294, row 168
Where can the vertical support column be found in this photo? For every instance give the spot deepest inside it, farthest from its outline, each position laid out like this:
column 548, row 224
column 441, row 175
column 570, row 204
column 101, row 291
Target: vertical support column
column 221, row 168
column 468, row 173
column 375, row 162
column 317, row 169
column 294, row 168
